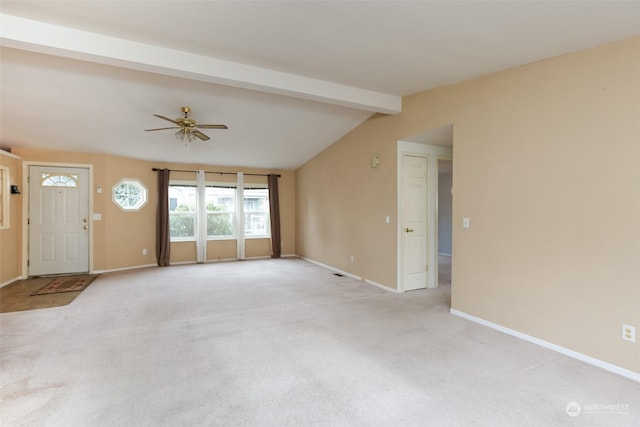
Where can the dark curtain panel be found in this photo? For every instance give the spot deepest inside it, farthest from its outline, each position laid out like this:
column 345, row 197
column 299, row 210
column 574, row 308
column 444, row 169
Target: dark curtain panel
column 274, row 210
column 163, row 244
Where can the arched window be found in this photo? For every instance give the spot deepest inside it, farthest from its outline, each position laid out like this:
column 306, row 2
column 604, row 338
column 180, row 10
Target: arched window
column 59, row 180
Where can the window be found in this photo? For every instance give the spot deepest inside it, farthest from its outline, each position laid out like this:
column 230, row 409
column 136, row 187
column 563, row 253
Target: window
column 182, row 212
column 220, row 209
column 256, row 212
column 220, row 206
column 130, row 194
column 63, row 180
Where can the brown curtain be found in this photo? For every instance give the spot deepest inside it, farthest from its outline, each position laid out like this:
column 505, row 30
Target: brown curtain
column 274, row 211
column 163, row 243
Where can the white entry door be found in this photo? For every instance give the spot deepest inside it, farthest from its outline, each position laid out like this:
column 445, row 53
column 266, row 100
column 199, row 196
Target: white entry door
column 414, row 222
column 58, row 220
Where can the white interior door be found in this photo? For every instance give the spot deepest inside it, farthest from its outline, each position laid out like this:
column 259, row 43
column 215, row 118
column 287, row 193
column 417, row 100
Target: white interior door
column 58, row 220
column 414, row 223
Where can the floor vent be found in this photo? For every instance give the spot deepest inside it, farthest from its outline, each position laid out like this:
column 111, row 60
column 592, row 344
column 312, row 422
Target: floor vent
column 338, row 274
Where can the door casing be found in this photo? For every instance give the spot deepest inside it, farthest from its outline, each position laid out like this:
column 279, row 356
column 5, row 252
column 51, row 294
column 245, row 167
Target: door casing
column 25, row 209
column 433, row 153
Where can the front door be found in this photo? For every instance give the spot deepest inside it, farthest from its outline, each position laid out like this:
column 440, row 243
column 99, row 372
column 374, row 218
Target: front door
column 58, row 220
column 414, row 222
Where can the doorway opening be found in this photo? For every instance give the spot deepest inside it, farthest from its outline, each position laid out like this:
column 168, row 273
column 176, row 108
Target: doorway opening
column 434, row 146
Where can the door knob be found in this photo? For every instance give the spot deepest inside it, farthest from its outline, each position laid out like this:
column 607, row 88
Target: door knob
column 84, row 219
column 408, row 230
column 86, row 227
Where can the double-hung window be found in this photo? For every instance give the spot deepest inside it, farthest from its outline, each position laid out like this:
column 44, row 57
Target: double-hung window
column 221, row 211
column 182, row 211
column 256, row 212
column 220, row 204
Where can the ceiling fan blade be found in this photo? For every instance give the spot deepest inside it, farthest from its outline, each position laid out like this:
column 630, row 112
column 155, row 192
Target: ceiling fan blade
column 200, row 135
column 212, row 126
column 174, row 127
column 166, row 118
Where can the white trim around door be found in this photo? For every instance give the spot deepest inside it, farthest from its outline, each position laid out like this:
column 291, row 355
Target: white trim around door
column 26, row 209
column 432, row 152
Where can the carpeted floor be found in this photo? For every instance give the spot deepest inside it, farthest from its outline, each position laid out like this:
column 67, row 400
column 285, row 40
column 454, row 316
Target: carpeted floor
column 283, row 343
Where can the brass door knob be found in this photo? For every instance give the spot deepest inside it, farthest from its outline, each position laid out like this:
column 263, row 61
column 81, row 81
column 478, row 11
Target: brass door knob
column 86, row 227
column 408, row 230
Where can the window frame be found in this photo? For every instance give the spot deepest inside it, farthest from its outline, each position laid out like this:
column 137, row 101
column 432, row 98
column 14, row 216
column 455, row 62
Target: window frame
column 267, row 235
column 234, row 213
column 234, row 186
column 144, row 194
column 184, row 183
column 71, row 183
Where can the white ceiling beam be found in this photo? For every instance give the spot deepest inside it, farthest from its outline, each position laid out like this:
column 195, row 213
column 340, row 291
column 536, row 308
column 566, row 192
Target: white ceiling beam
column 36, row 36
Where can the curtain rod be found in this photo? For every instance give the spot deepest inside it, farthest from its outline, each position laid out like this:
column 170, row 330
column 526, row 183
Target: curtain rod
column 220, row 173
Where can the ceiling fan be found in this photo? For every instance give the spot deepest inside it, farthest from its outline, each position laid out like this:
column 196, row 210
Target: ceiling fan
column 187, row 128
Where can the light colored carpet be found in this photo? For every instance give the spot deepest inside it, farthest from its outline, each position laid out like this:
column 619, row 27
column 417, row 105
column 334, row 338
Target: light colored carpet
column 283, row 343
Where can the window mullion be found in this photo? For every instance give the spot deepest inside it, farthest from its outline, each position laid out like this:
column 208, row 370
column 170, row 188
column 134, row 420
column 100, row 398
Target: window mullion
column 201, row 219
column 240, row 215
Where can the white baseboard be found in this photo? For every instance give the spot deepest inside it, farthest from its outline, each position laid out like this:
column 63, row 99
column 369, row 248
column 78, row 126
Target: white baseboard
column 546, row 344
column 353, row 276
column 381, row 286
column 135, row 267
column 10, row 281
column 269, row 256
column 209, row 261
column 328, row 267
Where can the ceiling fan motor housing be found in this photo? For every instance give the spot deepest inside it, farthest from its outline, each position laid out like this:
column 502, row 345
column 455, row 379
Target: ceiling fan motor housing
column 184, row 122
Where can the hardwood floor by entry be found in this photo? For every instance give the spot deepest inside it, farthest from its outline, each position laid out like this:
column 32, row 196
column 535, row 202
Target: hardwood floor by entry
column 18, row 296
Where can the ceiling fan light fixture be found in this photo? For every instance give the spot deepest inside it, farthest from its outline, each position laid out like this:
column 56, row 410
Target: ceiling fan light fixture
column 185, row 135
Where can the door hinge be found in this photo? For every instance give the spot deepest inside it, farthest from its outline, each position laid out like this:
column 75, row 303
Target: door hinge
column 28, row 221
column 426, row 267
column 29, row 179
column 28, row 263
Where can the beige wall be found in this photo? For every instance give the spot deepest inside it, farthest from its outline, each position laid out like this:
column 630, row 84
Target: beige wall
column 10, row 241
column 342, row 202
column 546, row 165
column 119, row 237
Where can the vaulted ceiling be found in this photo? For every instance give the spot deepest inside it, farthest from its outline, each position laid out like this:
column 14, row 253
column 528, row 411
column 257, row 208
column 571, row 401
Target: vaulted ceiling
column 287, row 78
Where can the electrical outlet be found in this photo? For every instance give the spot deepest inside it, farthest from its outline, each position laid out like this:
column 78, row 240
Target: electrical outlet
column 351, row 259
column 144, row 252
column 629, row 333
